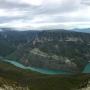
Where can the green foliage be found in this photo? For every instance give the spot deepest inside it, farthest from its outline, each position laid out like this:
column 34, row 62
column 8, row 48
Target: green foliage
column 66, row 44
column 10, row 40
column 38, row 81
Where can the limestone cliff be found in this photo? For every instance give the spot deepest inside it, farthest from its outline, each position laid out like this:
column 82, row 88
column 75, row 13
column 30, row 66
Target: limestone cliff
column 55, row 50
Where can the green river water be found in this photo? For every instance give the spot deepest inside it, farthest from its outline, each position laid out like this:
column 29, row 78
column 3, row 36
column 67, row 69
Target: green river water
column 45, row 71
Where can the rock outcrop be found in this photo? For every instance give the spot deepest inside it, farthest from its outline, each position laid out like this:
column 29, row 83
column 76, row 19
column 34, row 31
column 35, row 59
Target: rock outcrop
column 55, row 50
column 10, row 85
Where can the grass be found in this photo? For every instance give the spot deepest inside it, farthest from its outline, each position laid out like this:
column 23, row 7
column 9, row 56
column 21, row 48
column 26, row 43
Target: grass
column 38, row 81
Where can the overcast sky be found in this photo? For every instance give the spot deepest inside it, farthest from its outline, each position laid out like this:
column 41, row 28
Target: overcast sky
column 45, row 14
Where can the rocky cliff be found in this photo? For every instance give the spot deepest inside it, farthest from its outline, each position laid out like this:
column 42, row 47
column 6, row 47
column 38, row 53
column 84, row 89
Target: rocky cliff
column 55, row 50
column 10, row 40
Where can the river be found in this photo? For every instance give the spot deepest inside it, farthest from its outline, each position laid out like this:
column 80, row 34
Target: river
column 87, row 68
column 41, row 70
column 45, row 71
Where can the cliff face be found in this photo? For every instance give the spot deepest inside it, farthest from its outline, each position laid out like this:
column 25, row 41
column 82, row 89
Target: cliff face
column 56, row 50
column 10, row 40
column 37, row 58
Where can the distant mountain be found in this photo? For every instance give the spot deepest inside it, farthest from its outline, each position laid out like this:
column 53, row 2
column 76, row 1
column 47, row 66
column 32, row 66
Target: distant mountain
column 85, row 30
column 53, row 49
column 10, row 40
column 57, row 50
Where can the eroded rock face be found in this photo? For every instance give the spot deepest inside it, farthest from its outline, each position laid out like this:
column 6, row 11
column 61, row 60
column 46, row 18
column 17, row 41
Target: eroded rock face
column 11, row 39
column 55, row 50
column 37, row 58
column 84, row 86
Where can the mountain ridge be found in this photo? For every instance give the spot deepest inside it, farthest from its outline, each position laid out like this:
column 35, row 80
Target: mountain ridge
column 55, row 50
column 10, row 40
column 32, row 80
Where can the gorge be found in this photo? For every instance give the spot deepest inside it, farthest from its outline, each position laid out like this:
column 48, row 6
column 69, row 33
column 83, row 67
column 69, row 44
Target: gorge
column 44, row 60
column 60, row 50
column 45, row 71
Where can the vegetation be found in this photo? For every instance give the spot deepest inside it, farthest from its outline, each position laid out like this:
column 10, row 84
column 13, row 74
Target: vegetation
column 38, row 81
column 48, row 49
column 68, row 48
column 10, row 40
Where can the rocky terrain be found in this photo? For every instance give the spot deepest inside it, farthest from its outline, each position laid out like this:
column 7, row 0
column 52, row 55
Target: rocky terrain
column 10, row 40
column 56, row 50
column 10, row 85
column 84, row 86
column 12, row 77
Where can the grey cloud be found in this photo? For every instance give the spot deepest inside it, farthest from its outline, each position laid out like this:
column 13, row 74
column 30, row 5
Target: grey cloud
column 64, row 18
column 8, row 19
column 46, row 8
column 10, row 7
column 64, row 7
column 85, row 2
column 53, row 12
column 4, row 4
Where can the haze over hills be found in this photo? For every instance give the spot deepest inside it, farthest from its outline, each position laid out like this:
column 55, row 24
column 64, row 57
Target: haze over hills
column 85, row 30
column 10, row 39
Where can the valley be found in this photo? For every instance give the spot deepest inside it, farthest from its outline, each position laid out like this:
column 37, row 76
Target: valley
column 12, row 76
column 44, row 60
column 44, row 44
column 40, row 70
column 46, row 71
column 60, row 50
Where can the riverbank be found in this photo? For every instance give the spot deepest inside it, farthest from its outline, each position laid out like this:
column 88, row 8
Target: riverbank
column 39, row 81
column 45, row 71
column 40, row 70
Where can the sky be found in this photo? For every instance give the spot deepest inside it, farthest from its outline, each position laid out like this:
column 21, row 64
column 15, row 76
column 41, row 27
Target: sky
column 45, row 14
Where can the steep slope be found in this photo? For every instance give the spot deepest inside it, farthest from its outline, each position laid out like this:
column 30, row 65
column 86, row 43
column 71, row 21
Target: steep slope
column 10, row 40
column 14, row 77
column 5, row 48
column 6, row 84
column 56, row 50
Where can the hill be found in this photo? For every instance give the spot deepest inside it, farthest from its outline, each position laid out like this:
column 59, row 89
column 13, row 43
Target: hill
column 10, row 40
column 56, row 50
column 85, row 30
column 17, row 77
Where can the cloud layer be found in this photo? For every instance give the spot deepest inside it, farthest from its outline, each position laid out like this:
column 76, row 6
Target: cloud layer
column 37, row 14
